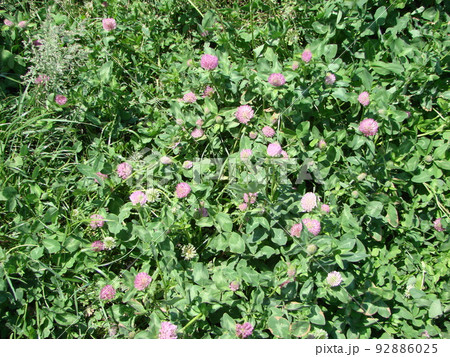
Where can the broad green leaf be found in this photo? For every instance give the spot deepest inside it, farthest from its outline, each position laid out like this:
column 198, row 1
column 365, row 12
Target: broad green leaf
column 205, row 222
column 51, row 245
column 429, row 14
column 339, row 262
column 424, row 176
column 435, row 309
column 374, row 208
column 300, row 328
column 278, row 236
column 270, row 55
column 37, row 253
column 411, row 164
column 279, row 326
column 443, row 164
column 86, row 170
column 227, row 323
column 237, row 244
column 8, row 193
column 392, row 216
column 347, row 242
column 147, row 335
column 224, row 221
column 330, row 52
column 342, row 295
column 316, row 316
column 384, row 311
column 320, row 28
column 105, row 72
column 341, row 93
column 265, row 251
column 306, row 289
column 114, row 224
column 7, row 58
column 349, row 223
column 66, row 319
column 140, row 309
column 200, row 274
column 369, row 308
column 219, row 242
column 380, row 15
column 416, row 294
column 72, row 244
column 250, row 275
column 366, row 78
column 385, row 68
column 354, row 257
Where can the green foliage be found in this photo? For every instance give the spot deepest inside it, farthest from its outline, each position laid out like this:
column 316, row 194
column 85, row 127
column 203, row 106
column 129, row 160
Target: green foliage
column 125, row 88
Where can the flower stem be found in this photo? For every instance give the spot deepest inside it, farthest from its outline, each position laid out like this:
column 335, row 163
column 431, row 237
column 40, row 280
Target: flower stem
column 196, row 8
column 200, row 314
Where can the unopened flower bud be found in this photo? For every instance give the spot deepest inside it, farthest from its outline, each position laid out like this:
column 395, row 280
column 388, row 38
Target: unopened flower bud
column 362, row 176
column 322, row 144
column 311, row 249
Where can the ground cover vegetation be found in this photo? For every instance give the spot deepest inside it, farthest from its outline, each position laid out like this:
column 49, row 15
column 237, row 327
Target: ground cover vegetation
column 224, row 169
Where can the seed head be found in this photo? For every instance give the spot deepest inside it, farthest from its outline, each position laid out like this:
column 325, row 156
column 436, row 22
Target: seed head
column 311, row 249
column 152, row 194
column 167, row 331
column 197, row 133
column 368, row 127
column 98, row 246
column 182, row 190
column 363, row 98
column 124, row 170
column 296, row 229
column 109, row 24
column 362, row 176
column 438, row 225
column 234, row 286
column 330, row 78
column 243, row 206
column 208, row 92
column 188, row 252
column 138, row 197
column 209, row 62
column 244, row 330
column 189, row 98
column 308, row 202
column 142, row 280
column 109, row 243
column 312, row 225
column 97, row 221
column 276, row 79
column 244, row 113
column 107, row 293
column 274, row 149
column 334, row 278
column 268, row 132
column 246, row 154
column 306, row 56
column 325, row 208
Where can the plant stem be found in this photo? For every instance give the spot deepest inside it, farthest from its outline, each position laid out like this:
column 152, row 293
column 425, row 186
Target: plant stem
column 192, row 321
column 195, row 7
